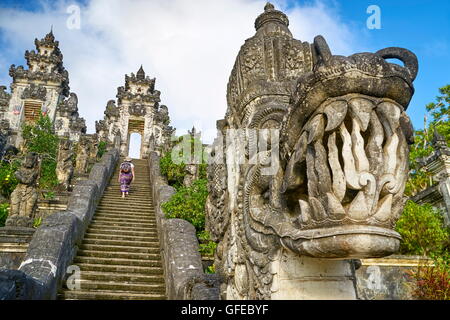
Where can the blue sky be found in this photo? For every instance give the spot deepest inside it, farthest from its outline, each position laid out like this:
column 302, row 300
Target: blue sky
column 188, row 55
column 422, row 26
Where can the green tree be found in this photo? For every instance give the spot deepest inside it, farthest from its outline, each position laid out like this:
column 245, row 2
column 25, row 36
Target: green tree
column 40, row 138
column 8, row 181
column 422, row 230
column 188, row 203
column 439, row 111
column 101, row 149
column 173, row 163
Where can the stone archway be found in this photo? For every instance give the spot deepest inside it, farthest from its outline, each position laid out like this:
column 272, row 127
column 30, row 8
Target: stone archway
column 137, row 111
column 135, row 127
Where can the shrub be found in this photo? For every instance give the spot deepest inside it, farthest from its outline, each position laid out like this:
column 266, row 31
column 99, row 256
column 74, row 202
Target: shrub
column 422, row 230
column 173, row 172
column 8, row 181
column 40, row 138
column 189, row 204
column 3, row 213
column 207, row 246
column 432, row 282
column 101, row 149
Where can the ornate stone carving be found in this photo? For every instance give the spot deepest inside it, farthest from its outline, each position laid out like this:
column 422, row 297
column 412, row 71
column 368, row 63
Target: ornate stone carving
column 82, row 159
column 162, row 115
column 4, row 99
column 64, row 167
column 191, row 174
column 34, row 92
column 24, row 197
column 137, row 110
column 4, row 134
column 111, row 109
column 337, row 178
column 69, row 106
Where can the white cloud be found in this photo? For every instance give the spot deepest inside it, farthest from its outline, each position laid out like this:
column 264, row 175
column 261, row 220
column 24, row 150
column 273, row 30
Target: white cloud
column 189, row 46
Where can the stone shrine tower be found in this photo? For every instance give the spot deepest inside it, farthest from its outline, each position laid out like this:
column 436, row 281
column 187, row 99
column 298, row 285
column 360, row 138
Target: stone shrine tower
column 40, row 89
column 137, row 111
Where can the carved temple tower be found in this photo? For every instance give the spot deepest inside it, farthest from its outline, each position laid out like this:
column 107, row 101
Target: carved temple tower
column 41, row 89
column 137, row 111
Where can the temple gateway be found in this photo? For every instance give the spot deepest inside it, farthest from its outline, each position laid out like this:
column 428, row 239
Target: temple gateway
column 301, row 231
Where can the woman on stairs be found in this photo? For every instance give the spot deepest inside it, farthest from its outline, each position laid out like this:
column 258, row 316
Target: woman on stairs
column 126, row 176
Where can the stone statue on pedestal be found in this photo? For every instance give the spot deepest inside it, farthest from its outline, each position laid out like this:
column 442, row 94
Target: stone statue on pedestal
column 82, row 156
column 64, row 167
column 24, row 198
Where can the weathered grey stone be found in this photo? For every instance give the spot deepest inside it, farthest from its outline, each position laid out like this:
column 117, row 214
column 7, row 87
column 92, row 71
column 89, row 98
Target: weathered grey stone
column 137, row 104
column 13, row 245
column 51, row 251
column 205, row 287
column 387, row 278
column 16, row 285
column 24, row 197
column 183, row 268
column 182, row 258
column 331, row 186
column 64, row 166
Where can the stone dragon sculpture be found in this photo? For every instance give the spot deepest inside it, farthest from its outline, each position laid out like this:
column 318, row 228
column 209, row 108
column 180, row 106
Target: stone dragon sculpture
column 342, row 155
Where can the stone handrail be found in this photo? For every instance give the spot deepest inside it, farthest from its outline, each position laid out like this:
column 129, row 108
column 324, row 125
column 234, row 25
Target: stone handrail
column 55, row 243
column 183, row 270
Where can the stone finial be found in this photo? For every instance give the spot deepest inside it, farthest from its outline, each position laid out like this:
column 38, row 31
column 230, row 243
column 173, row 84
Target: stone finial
column 140, row 74
column 270, row 14
column 269, row 6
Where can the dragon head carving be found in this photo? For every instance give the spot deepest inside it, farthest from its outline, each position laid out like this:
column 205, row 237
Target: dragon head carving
column 342, row 155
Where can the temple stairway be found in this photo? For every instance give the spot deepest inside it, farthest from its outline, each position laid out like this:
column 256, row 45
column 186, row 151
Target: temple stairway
column 119, row 257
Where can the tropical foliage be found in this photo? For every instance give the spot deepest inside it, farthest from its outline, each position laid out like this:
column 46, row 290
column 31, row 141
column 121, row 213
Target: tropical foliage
column 40, row 138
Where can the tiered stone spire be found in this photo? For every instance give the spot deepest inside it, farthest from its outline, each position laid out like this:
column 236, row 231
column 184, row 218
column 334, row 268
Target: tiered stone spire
column 44, row 64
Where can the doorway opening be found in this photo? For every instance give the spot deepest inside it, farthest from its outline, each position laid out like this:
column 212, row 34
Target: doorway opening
column 135, row 145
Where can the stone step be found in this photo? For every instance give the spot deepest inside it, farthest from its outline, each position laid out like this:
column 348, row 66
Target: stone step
column 119, row 255
column 118, row 261
column 112, row 236
column 146, row 216
column 109, row 295
column 117, row 198
column 126, row 202
column 123, row 220
column 88, row 267
column 132, row 215
column 118, row 242
column 153, row 233
column 97, row 247
column 130, row 198
column 119, row 228
column 119, row 224
column 143, row 211
column 116, row 191
column 126, row 221
column 122, row 277
column 122, row 286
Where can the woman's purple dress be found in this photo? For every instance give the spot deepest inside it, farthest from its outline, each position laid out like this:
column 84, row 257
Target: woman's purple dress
column 125, row 180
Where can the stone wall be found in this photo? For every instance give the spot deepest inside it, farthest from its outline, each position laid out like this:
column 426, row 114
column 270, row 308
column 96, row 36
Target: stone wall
column 183, row 270
column 14, row 245
column 54, row 244
column 386, row 278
